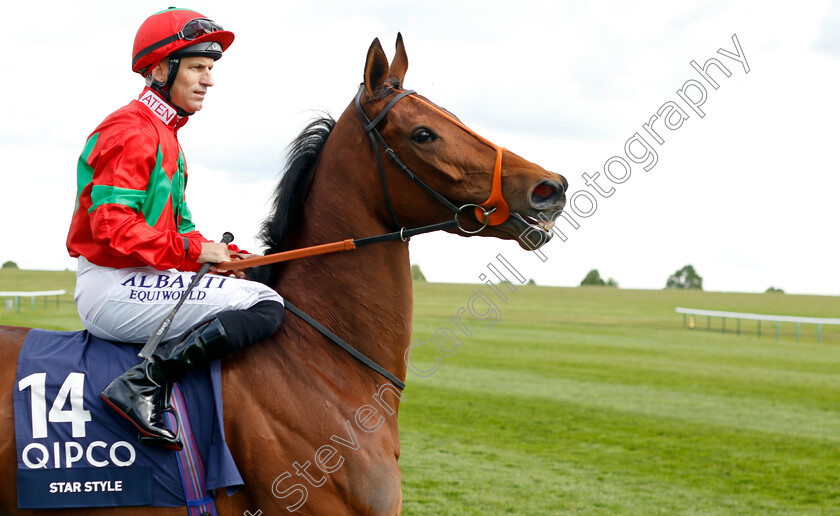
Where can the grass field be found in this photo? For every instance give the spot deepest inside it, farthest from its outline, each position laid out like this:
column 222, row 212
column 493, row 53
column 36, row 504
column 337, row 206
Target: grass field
column 62, row 317
column 598, row 401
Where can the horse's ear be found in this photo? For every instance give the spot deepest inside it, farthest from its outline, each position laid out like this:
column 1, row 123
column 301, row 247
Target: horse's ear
column 376, row 67
column 400, row 64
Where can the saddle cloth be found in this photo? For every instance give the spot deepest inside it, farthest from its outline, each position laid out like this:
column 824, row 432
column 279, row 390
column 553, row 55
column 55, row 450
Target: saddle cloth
column 75, row 451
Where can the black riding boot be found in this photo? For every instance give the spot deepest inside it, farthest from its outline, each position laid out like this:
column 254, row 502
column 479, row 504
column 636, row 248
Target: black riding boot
column 141, row 394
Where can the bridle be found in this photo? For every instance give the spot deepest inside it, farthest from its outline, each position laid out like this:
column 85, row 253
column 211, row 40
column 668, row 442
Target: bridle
column 493, row 211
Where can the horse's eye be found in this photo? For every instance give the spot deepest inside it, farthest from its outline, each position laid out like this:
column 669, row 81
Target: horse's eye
column 423, row 135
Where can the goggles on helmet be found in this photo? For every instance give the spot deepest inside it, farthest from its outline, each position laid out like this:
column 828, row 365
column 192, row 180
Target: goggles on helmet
column 196, row 28
column 191, row 30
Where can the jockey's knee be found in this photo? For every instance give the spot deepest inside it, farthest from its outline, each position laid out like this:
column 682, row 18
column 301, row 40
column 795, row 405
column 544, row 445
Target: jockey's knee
column 245, row 327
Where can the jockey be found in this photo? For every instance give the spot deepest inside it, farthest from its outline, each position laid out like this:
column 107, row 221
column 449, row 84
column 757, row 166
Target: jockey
column 133, row 234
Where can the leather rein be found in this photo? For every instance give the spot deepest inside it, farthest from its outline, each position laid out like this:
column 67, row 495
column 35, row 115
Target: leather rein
column 493, row 211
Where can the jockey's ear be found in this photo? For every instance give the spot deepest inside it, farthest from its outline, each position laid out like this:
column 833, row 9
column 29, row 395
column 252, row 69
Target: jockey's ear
column 399, row 65
column 376, row 67
column 161, row 71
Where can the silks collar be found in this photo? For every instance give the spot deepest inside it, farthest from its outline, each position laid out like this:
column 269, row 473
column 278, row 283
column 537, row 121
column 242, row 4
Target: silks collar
column 166, row 112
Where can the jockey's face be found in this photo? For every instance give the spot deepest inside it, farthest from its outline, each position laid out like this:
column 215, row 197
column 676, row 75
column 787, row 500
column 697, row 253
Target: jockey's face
column 192, row 82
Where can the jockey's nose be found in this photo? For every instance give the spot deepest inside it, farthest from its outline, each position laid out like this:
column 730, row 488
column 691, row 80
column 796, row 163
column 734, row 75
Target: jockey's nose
column 548, row 193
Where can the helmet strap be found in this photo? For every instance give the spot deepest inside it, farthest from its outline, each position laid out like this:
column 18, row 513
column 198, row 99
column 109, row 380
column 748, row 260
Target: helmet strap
column 164, row 88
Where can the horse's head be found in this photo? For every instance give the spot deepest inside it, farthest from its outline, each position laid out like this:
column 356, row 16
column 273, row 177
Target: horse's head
column 434, row 166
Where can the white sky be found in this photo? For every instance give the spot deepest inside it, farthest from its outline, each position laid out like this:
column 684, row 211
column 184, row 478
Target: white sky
column 746, row 194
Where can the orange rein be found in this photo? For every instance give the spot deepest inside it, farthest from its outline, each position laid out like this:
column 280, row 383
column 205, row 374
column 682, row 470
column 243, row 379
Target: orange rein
column 344, row 245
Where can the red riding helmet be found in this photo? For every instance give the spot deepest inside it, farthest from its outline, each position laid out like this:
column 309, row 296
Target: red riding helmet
column 173, row 30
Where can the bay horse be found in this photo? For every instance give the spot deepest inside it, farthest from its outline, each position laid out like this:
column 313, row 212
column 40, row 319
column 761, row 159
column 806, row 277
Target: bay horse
column 312, row 430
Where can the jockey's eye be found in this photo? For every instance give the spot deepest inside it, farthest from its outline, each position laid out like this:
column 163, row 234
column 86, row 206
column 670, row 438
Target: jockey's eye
column 423, row 135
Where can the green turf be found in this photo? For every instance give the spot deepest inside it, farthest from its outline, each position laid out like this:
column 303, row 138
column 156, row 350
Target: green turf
column 44, row 313
column 598, row 401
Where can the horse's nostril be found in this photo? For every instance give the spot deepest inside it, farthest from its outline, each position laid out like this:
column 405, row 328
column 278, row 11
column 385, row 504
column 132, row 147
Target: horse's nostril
column 544, row 190
column 546, row 194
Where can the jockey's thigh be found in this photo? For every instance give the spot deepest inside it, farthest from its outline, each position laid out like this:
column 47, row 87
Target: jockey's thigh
column 129, row 304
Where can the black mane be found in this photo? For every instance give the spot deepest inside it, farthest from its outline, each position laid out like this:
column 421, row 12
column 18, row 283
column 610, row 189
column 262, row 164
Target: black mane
column 288, row 199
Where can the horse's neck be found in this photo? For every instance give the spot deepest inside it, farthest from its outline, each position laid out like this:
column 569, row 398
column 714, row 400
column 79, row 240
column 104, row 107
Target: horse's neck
column 364, row 295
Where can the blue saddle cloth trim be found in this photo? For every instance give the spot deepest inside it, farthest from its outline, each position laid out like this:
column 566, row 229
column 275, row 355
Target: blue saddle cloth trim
column 54, row 462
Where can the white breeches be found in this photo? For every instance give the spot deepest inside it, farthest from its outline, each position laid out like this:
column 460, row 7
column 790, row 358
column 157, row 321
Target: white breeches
column 128, row 304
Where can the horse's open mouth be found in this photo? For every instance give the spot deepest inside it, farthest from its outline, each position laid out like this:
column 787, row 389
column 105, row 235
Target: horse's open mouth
column 537, row 232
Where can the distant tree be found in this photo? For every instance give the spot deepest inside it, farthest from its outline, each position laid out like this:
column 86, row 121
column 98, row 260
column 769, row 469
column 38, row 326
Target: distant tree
column 612, row 283
column 10, row 265
column 592, row 278
column 532, row 282
column 774, row 290
column 417, row 274
column 686, row 277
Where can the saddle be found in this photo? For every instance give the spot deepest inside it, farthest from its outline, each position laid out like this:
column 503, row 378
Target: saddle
column 74, row 451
